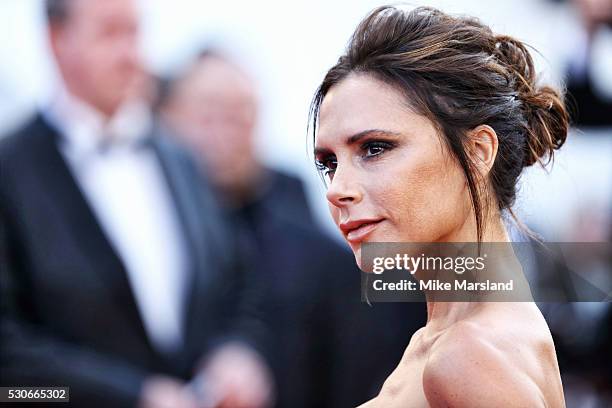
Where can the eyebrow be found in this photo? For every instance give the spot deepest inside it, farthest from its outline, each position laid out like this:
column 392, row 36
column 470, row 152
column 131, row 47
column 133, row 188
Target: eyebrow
column 357, row 137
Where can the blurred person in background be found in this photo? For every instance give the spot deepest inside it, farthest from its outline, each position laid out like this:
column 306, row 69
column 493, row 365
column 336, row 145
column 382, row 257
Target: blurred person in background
column 592, row 103
column 582, row 327
column 117, row 278
column 213, row 108
column 582, row 331
column 325, row 351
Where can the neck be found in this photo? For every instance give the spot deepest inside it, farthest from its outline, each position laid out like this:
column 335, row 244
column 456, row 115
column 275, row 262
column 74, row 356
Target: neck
column 249, row 187
column 441, row 315
column 494, row 230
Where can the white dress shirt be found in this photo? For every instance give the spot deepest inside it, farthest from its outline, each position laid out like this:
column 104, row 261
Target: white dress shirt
column 124, row 185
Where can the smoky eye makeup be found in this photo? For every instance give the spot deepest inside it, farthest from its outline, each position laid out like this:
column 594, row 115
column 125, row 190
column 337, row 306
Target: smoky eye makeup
column 368, row 145
column 326, row 168
column 375, row 148
column 326, row 163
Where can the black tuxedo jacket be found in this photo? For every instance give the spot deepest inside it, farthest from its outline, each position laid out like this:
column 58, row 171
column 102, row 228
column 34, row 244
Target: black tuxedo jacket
column 330, row 350
column 68, row 316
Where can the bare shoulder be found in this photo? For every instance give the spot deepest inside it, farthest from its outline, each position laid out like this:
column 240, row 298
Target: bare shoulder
column 505, row 358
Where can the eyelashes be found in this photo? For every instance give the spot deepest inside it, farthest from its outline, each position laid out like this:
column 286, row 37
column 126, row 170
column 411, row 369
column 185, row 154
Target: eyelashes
column 370, row 150
column 327, row 165
column 376, row 148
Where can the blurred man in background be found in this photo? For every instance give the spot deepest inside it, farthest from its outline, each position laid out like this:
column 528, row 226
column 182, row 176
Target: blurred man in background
column 213, row 108
column 117, row 278
column 330, row 350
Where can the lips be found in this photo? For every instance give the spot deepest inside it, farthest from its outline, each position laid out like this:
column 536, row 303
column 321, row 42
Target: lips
column 357, row 230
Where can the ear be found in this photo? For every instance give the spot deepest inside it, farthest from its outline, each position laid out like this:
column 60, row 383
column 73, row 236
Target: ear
column 483, row 145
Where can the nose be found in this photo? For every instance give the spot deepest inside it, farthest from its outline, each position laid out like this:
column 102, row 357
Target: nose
column 344, row 189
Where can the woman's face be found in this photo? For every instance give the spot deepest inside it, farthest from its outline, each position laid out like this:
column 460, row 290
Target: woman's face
column 390, row 177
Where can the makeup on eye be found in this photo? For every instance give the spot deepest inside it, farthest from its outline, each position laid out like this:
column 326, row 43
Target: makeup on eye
column 371, row 145
column 374, row 148
column 327, row 161
column 326, row 164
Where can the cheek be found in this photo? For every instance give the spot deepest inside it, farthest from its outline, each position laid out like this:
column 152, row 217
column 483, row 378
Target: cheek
column 424, row 198
column 111, row 61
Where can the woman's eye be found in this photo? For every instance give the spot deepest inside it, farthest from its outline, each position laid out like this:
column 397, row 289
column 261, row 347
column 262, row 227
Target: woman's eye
column 327, row 165
column 373, row 149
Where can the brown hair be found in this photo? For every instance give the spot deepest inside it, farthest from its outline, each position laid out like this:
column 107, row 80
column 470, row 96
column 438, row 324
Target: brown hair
column 459, row 74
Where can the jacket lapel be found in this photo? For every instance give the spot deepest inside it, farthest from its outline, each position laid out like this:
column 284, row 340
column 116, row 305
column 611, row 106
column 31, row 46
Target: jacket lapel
column 205, row 236
column 183, row 193
column 79, row 218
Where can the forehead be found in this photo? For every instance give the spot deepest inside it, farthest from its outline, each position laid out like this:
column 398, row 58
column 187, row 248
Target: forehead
column 218, row 77
column 361, row 102
column 213, row 85
column 102, row 10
